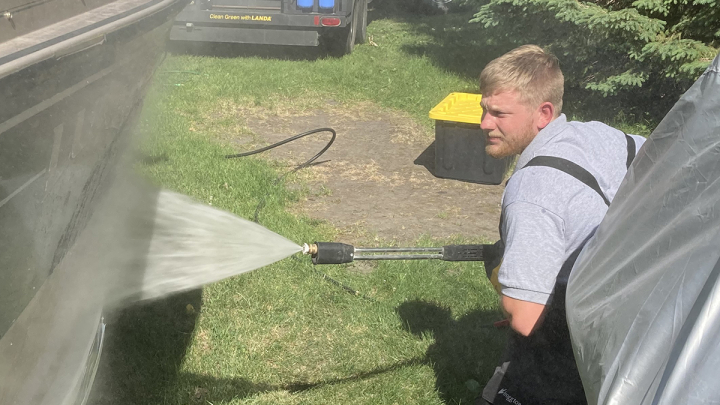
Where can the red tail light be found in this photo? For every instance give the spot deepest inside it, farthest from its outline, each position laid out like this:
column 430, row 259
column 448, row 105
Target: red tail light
column 330, row 22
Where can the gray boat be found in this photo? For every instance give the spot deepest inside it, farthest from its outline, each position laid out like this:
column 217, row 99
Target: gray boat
column 72, row 77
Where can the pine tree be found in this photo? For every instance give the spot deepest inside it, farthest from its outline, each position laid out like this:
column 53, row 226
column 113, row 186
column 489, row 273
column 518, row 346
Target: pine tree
column 614, row 47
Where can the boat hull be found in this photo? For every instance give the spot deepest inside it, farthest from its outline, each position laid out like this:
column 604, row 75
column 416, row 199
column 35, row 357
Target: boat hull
column 70, row 95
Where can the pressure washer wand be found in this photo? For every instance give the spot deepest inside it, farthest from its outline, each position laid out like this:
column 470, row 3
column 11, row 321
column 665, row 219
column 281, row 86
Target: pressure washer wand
column 337, row 253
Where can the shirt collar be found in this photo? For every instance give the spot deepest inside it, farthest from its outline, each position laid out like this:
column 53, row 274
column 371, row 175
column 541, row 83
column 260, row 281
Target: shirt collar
column 542, row 138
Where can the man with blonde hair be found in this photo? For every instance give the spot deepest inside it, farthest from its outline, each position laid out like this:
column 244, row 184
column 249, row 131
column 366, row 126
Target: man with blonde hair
column 566, row 175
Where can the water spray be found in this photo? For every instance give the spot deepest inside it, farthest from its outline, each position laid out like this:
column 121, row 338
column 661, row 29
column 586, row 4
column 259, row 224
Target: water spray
column 338, row 253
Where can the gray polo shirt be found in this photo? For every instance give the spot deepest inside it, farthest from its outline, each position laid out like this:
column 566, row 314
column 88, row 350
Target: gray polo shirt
column 547, row 214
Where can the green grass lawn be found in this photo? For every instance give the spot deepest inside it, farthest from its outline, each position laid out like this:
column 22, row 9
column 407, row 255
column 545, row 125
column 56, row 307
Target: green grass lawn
column 418, row 332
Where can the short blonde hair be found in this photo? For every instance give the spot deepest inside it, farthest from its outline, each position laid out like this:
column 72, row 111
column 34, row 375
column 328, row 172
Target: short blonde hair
column 530, row 71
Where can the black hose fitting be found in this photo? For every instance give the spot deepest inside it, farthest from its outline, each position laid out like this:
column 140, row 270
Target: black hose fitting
column 463, row 253
column 333, row 253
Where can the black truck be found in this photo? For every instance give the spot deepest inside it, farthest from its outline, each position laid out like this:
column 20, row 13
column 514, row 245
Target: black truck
column 336, row 24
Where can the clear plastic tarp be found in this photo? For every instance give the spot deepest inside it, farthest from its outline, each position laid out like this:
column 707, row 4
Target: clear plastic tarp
column 643, row 301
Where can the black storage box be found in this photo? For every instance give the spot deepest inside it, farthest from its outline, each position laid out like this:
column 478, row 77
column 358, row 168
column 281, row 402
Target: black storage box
column 460, row 154
column 460, row 143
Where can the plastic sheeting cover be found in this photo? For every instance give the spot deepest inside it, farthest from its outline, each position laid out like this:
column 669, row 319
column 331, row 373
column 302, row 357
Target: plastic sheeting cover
column 643, row 300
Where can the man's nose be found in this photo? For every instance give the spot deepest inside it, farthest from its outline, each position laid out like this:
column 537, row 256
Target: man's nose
column 486, row 123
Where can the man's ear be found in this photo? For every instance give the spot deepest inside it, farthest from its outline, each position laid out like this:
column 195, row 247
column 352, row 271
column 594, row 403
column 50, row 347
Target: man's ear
column 546, row 113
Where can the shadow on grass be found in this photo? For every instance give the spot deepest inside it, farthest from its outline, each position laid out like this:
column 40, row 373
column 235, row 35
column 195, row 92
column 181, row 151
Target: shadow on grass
column 457, row 46
column 301, row 386
column 143, row 349
column 465, row 352
column 204, row 389
column 200, row 389
column 145, row 345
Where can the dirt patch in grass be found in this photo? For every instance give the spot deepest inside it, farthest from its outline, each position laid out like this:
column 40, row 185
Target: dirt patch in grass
column 374, row 181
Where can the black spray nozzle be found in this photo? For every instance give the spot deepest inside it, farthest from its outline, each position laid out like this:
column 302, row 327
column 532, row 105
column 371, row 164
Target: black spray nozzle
column 337, row 253
column 330, row 252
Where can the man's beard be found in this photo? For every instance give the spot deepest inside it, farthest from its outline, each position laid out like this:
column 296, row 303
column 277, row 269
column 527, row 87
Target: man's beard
column 511, row 146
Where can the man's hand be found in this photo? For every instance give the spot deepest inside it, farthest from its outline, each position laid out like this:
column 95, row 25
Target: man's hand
column 524, row 315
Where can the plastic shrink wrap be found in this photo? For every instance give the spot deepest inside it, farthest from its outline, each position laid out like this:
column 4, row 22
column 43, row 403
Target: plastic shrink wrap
column 643, row 300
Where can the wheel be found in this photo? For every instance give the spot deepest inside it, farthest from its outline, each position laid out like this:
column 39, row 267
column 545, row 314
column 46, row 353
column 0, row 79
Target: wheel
column 342, row 41
column 361, row 30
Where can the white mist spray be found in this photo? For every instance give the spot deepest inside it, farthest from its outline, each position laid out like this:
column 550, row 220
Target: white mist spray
column 194, row 244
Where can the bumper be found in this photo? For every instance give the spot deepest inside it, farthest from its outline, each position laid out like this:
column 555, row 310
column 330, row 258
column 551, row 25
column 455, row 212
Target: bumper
column 272, row 28
column 253, row 19
column 246, row 35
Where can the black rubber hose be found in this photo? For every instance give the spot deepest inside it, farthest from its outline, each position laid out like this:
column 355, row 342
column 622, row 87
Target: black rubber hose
column 261, row 204
column 283, row 142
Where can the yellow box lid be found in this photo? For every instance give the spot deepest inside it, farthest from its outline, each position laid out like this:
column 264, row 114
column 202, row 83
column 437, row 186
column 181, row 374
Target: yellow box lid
column 459, row 107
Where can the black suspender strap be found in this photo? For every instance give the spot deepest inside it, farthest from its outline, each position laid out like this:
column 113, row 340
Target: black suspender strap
column 570, row 168
column 578, row 172
column 630, row 149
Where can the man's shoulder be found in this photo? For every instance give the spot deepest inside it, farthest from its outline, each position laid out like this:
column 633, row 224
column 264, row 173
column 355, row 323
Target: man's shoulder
column 583, row 137
column 599, row 133
column 594, row 125
column 593, row 145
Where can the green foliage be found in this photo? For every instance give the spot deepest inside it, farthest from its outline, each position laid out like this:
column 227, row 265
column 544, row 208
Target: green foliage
column 610, row 48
